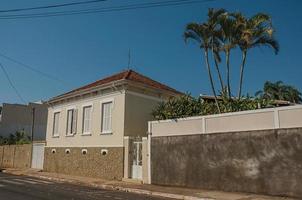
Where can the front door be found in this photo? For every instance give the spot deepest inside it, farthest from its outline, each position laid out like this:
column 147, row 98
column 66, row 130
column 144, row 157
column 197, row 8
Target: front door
column 137, row 160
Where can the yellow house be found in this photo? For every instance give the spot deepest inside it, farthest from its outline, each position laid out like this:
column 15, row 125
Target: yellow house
column 86, row 127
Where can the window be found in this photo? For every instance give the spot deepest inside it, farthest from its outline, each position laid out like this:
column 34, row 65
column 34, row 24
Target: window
column 87, row 119
column 71, row 121
column 107, row 117
column 56, row 120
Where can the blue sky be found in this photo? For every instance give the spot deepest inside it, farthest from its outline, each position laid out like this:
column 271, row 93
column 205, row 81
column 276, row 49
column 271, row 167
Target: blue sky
column 83, row 48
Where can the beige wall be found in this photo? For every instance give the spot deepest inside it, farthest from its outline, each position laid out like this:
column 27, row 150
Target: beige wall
column 283, row 117
column 240, row 122
column 138, row 111
column 290, row 118
column 178, row 127
column 96, row 138
column 130, row 116
column 15, row 156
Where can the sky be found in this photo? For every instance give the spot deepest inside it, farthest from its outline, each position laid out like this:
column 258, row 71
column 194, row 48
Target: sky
column 80, row 49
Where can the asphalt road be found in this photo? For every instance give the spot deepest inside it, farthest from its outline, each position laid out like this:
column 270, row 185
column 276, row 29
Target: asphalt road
column 27, row 188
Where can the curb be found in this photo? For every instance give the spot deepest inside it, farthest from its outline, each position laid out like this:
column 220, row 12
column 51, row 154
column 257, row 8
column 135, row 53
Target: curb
column 111, row 187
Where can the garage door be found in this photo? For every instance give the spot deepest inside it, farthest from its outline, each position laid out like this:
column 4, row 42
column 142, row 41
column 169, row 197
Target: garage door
column 38, row 156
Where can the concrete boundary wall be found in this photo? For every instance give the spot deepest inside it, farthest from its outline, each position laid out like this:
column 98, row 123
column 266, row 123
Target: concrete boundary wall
column 262, row 119
column 15, row 156
column 262, row 162
column 252, row 151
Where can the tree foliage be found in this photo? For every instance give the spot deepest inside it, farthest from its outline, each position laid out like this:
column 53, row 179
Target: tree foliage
column 280, row 91
column 225, row 31
column 188, row 106
column 20, row 137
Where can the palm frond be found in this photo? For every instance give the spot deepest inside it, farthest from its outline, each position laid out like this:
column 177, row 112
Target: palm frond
column 192, row 32
column 259, row 19
column 267, row 41
column 198, row 33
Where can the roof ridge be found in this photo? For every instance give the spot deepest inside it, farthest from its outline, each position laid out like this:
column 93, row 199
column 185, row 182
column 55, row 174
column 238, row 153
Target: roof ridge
column 157, row 82
column 129, row 75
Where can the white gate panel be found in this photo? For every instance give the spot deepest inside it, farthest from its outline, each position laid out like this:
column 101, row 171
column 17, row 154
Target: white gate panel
column 137, row 172
column 38, row 156
column 137, row 161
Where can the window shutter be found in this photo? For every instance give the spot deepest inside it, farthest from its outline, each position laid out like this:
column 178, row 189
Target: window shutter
column 87, row 112
column 69, row 118
column 74, row 121
column 106, row 117
column 56, row 124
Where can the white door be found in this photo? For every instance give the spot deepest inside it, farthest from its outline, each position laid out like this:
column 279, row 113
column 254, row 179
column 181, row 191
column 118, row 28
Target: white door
column 137, row 161
column 38, row 156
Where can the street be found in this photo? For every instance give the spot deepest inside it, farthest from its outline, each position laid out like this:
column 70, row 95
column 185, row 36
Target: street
column 28, row 188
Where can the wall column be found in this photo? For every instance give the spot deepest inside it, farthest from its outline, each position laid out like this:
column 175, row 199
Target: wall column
column 145, row 160
column 126, row 157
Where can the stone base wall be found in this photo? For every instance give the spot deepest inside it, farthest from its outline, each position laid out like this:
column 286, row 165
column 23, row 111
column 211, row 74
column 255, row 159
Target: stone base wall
column 15, row 156
column 92, row 164
column 268, row 161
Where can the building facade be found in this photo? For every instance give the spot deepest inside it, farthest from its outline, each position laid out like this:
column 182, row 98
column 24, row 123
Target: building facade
column 31, row 118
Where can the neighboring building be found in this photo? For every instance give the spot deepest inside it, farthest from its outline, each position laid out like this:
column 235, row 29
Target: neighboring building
column 86, row 127
column 275, row 103
column 18, row 117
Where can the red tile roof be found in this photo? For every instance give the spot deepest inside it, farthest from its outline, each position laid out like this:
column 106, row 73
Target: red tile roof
column 126, row 75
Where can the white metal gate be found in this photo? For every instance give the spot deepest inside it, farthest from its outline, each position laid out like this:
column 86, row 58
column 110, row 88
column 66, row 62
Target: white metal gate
column 37, row 156
column 137, row 160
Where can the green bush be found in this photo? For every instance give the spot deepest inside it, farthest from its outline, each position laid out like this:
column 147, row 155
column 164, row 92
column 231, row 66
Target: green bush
column 188, row 106
column 20, row 137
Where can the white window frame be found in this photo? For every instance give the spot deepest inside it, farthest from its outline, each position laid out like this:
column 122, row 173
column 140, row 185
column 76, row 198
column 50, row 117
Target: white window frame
column 104, row 101
column 83, row 119
column 73, row 118
column 56, row 134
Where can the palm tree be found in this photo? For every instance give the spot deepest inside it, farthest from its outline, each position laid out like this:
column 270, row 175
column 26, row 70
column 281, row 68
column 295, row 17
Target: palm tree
column 271, row 90
column 213, row 16
column 280, row 91
column 295, row 95
column 202, row 35
column 228, row 37
column 254, row 32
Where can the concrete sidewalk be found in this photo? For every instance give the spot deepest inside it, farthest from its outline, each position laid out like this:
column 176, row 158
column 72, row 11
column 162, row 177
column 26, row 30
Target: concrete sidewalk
column 162, row 191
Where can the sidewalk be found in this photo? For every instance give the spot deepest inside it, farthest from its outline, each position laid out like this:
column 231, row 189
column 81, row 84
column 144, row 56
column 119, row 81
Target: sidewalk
column 162, row 191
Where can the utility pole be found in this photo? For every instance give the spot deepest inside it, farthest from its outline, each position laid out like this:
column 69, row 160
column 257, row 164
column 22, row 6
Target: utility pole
column 32, row 134
column 33, row 124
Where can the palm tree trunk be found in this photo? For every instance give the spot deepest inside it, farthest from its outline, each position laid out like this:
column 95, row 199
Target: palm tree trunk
column 217, row 67
column 218, row 71
column 211, row 79
column 228, row 73
column 244, row 53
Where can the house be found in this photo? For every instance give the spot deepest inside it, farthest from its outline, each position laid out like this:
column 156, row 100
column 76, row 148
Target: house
column 87, row 126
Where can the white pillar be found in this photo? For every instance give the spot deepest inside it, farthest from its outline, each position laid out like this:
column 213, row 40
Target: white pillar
column 126, row 158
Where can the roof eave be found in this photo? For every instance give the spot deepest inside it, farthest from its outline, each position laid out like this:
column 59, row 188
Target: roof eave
column 86, row 91
column 111, row 85
column 162, row 91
